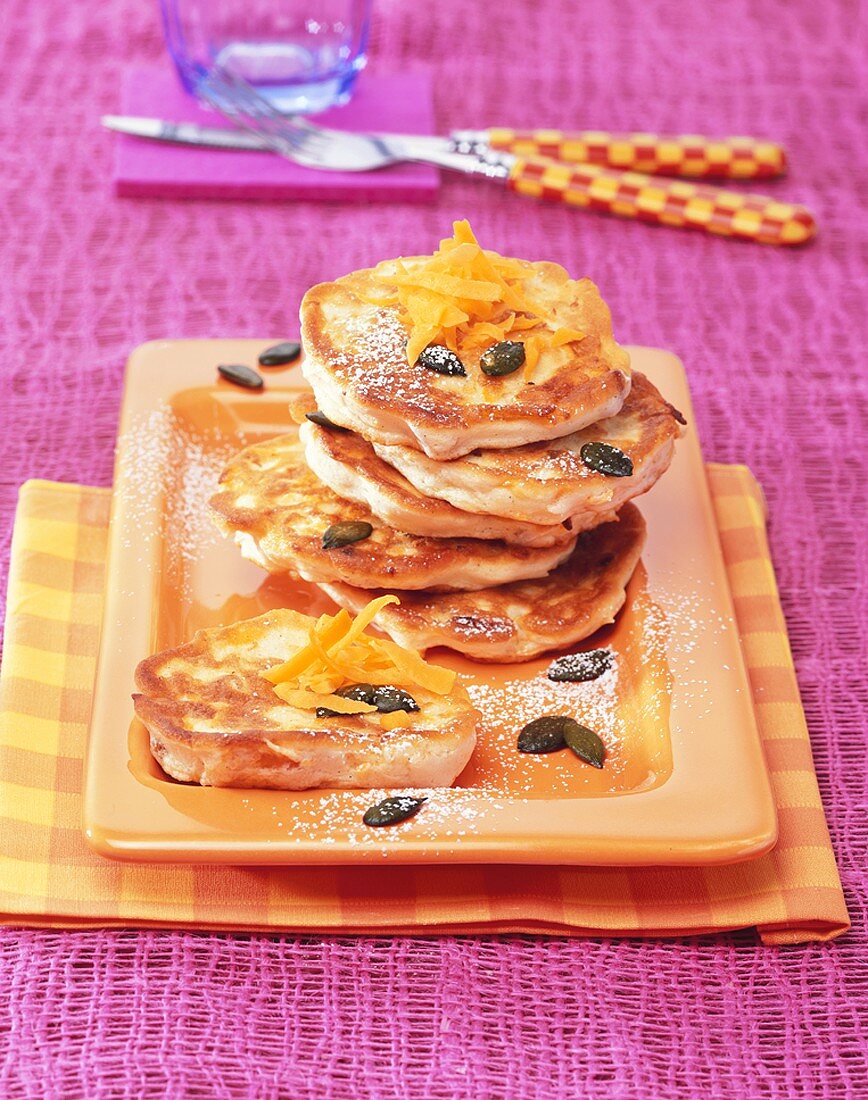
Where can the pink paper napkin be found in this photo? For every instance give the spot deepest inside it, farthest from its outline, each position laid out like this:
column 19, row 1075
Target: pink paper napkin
column 396, row 103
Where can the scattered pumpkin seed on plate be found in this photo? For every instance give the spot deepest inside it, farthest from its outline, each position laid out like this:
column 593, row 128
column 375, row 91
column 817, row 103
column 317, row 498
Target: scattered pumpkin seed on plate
column 584, row 743
column 280, row 354
column 392, row 810
column 342, row 534
column 544, row 734
column 554, row 732
column 578, row 668
column 241, row 375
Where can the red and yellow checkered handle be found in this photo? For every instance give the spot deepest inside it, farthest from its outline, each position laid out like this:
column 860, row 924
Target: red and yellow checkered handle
column 664, row 201
column 681, row 155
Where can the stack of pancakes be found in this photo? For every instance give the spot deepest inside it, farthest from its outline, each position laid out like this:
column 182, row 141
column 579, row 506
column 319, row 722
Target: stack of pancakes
column 495, row 506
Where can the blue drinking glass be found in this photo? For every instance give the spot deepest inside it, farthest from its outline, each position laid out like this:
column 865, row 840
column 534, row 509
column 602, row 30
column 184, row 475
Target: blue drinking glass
column 303, row 55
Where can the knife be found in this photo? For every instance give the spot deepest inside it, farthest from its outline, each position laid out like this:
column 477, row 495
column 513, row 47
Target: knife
column 685, row 155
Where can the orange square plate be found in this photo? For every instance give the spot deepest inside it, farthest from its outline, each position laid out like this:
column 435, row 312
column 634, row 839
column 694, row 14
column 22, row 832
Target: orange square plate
column 684, row 780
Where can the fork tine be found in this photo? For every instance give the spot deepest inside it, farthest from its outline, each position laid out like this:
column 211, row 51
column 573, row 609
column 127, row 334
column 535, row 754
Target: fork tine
column 233, row 96
column 292, row 137
column 259, row 106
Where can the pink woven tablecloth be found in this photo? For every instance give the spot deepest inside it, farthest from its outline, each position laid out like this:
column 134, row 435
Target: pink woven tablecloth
column 775, row 345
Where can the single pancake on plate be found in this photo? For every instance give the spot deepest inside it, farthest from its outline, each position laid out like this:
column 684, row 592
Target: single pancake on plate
column 286, row 520
column 215, row 718
column 517, row 622
column 350, row 466
column 549, row 482
column 367, row 335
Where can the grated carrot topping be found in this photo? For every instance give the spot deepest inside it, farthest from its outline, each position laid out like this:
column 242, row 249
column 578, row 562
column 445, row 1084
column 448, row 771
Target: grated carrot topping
column 566, row 336
column 310, row 700
column 466, row 298
column 337, row 627
column 395, row 720
column 338, row 652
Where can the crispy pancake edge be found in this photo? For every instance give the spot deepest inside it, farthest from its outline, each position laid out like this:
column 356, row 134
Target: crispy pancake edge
column 426, row 411
column 353, row 470
column 502, row 639
column 483, row 483
column 266, row 532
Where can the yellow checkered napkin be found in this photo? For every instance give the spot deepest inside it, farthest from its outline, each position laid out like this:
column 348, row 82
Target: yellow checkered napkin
column 49, row 877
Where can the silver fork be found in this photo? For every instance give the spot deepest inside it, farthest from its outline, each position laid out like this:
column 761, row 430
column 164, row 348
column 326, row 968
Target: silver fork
column 335, row 150
column 653, row 199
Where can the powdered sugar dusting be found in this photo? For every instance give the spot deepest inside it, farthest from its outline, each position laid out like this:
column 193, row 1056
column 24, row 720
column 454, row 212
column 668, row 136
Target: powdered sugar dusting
column 160, row 449
column 449, row 816
column 627, row 707
column 693, row 620
column 377, row 368
column 379, row 338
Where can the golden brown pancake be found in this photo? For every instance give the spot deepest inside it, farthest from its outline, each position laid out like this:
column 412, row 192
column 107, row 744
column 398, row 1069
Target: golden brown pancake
column 350, row 466
column 519, row 621
column 279, row 511
column 547, row 482
column 213, row 719
column 356, row 363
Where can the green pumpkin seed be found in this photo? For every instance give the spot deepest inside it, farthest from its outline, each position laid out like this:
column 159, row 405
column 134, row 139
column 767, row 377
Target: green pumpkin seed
column 502, row 358
column 605, row 459
column 543, row 734
column 342, row 534
column 438, row 358
column 362, row 693
column 280, row 354
column 385, row 698
column 241, row 375
column 578, row 668
column 584, row 743
column 392, row 810
column 388, row 699
column 323, row 421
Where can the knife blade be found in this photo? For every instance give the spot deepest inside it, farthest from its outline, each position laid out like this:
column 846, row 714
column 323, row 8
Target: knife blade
column 183, row 133
column 221, row 137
